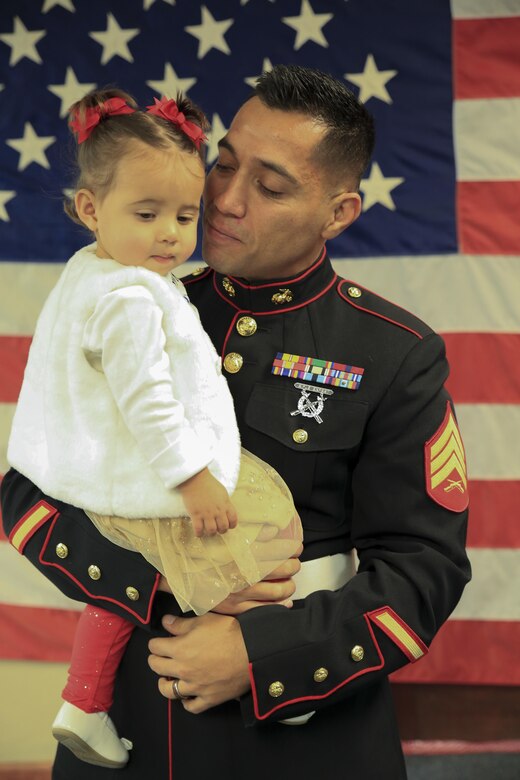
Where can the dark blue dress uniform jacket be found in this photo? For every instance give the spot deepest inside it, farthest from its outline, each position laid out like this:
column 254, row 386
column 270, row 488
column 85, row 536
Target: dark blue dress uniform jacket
column 361, row 479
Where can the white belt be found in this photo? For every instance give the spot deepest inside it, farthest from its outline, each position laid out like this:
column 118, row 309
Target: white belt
column 328, row 573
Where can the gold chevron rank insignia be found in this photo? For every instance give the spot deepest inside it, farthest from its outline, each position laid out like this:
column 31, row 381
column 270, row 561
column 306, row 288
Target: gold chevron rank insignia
column 446, row 478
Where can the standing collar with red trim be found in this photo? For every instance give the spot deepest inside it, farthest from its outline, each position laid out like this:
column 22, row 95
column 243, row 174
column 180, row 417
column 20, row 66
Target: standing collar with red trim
column 277, row 296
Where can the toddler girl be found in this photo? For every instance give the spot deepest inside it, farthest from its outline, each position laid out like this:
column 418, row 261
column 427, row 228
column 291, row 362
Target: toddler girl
column 124, row 410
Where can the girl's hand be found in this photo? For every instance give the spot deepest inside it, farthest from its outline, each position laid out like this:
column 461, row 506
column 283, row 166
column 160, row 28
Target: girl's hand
column 208, row 504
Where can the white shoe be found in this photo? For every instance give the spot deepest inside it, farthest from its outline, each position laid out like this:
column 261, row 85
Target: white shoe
column 91, row 736
column 298, row 720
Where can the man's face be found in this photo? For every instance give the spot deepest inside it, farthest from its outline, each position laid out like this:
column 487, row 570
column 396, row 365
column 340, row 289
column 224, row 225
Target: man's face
column 266, row 203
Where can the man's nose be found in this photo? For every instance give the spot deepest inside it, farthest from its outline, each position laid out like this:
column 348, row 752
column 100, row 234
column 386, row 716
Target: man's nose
column 230, row 196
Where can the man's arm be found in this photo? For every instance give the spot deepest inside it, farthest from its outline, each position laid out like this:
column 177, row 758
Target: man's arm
column 63, row 544
column 413, row 568
column 410, row 540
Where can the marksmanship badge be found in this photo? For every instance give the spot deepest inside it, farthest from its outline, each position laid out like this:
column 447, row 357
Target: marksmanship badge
column 306, row 406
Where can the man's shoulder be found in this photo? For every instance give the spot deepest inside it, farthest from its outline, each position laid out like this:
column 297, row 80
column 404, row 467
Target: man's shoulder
column 199, row 274
column 368, row 303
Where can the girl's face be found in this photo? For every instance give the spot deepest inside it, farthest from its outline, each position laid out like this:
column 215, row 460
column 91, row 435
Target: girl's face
column 149, row 216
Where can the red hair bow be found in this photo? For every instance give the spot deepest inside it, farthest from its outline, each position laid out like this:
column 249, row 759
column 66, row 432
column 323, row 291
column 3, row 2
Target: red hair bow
column 168, row 109
column 84, row 125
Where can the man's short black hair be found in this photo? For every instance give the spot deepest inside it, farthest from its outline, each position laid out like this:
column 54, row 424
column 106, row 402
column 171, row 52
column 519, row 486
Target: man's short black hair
column 348, row 143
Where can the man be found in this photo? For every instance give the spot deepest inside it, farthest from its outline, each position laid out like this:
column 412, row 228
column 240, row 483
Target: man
column 343, row 393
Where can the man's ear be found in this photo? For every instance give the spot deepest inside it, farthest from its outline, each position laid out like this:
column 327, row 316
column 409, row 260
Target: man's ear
column 85, row 202
column 346, row 208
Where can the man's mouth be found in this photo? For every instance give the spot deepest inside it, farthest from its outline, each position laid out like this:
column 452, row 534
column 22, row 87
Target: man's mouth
column 219, row 232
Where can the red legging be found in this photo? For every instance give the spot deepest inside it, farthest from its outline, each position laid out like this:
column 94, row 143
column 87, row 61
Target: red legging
column 99, row 643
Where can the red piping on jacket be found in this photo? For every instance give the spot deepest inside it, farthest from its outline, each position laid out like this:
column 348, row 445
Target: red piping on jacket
column 170, row 736
column 261, row 286
column 282, row 281
column 197, row 277
column 275, row 311
column 374, row 313
column 324, row 695
column 231, row 326
column 267, row 313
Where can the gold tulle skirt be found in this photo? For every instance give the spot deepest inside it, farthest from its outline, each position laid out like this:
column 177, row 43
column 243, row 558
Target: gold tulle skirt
column 203, row 571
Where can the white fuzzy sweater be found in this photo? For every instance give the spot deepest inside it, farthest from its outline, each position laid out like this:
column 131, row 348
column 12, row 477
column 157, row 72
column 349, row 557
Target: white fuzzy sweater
column 123, row 397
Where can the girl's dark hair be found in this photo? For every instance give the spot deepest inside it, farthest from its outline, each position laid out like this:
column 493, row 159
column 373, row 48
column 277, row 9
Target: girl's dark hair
column 348, row 143
column 98, row 156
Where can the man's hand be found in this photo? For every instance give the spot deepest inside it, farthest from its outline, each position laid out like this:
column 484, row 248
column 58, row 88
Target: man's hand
column 276, row 588
column 208, row 657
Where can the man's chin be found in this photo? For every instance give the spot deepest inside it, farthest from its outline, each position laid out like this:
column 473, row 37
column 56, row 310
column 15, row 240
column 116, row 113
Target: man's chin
column 220, row 261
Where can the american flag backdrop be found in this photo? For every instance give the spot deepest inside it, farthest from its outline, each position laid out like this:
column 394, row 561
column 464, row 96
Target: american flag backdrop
column 439, row 233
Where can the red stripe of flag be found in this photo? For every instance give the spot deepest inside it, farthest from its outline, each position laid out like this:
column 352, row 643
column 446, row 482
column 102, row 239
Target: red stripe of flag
column 490, row 499
column 493, row 515
column 13, row 357
column 487, row 660
column 487, row 58
column 37, row 633
column 484, row 367
column 488, row 217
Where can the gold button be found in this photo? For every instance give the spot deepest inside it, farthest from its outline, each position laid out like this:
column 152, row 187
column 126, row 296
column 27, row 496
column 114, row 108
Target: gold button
column 233, row 362
column 132, row 593
column 354, row 292
column 246, row 326
column 62, row 550
column 321, row 674
column 94, row 572
column 284, row 295
column 228, row 287
column 276, row 689
column 200, row 270
column 300, row 436
column 357, row 653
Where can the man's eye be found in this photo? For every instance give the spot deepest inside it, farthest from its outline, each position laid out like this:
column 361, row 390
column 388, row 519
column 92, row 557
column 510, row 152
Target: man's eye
column 223, row 168
column 269, row 193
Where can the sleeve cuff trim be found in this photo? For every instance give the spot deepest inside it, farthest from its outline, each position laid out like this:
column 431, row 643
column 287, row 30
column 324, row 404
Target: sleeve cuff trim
column 399, row 632
column 37, row 515
column 144, row 619
column 297, row 700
